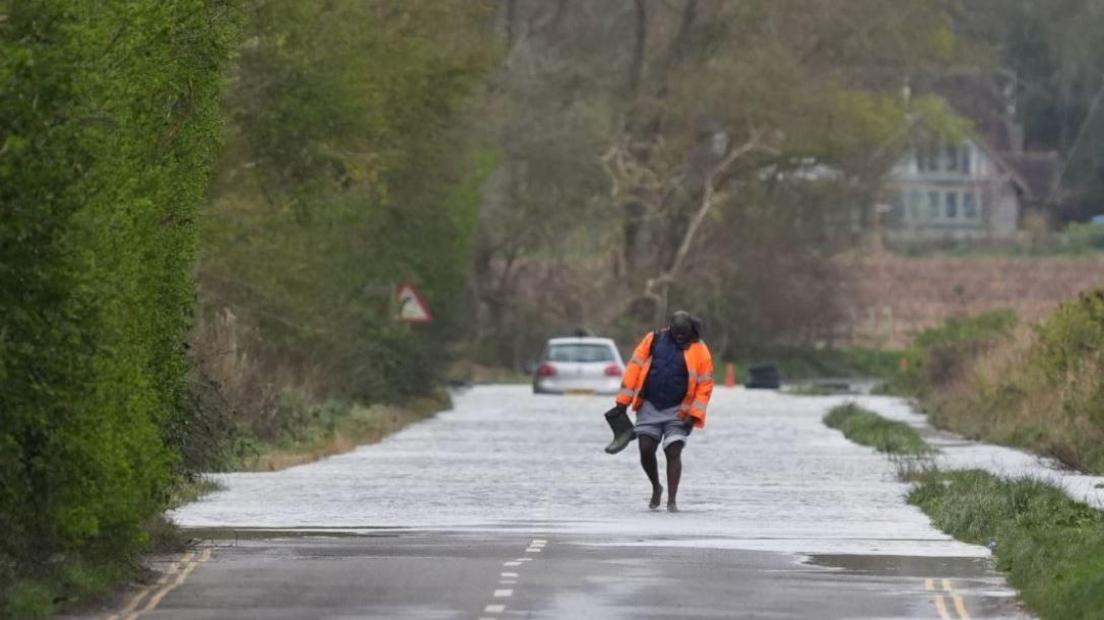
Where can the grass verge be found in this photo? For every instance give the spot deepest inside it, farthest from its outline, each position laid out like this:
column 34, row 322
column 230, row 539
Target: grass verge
column 870, row 429
column 1051, row 547
column 332, row 428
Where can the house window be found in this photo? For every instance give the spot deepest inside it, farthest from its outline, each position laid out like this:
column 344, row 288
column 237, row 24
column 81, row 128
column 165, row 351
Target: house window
column 966, row 160
column 951, row 158
column 969, row 206
column 927, row 156
column 933, row 205
column 933, row 156
column 916, row 203
column 952, row 205
column 896, row 207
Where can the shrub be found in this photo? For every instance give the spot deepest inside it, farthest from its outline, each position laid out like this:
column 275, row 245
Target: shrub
column 940, row 354
column 1038, row 387
column 29, row 599
column 1070, row 354
column 108, row 118
column 331, row 192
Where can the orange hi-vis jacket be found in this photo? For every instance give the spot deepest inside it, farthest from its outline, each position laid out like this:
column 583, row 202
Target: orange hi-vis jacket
column 699, row 387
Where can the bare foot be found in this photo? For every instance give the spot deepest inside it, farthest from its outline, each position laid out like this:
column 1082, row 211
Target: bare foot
column 672, row 506
column 657, row 494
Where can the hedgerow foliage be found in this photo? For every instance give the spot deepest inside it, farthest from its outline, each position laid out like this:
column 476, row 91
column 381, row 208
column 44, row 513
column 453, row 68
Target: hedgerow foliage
column 108, row 117
column 1039, row 387
column 940, row 354
column 344, row 175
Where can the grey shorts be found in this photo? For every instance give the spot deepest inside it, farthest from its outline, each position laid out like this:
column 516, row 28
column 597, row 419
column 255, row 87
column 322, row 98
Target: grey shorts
column 661, row 424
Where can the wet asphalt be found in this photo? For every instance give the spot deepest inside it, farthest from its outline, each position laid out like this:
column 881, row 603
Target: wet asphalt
column 506, row 507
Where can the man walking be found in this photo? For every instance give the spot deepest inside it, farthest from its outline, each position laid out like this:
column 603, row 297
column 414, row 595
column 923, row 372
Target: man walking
column 668, row 382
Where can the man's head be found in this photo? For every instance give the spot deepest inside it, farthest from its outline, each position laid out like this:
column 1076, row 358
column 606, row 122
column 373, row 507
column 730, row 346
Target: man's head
column 682, row 327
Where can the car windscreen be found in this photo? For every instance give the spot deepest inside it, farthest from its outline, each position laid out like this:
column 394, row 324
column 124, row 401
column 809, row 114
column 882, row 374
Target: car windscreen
column 580, row 353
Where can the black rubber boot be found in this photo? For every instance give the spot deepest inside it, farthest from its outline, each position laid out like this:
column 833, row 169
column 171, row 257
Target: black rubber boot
column 622, row 428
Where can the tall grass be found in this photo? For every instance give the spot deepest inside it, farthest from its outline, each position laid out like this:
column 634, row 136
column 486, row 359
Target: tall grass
column 1039, row 388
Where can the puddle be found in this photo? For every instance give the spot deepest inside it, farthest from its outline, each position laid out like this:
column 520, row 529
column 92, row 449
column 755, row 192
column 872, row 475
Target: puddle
column 903, row 565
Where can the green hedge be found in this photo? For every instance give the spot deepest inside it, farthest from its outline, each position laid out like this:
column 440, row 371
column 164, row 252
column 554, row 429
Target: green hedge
column 108, row 118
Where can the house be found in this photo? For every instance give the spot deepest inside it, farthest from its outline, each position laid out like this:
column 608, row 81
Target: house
column 977, row 189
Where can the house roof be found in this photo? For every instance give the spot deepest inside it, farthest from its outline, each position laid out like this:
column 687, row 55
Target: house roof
column 1038, row 172
column 980, row 97
column 985, row 99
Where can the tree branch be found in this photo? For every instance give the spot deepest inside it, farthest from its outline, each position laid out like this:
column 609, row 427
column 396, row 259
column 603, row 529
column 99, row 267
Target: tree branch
column 753, row 144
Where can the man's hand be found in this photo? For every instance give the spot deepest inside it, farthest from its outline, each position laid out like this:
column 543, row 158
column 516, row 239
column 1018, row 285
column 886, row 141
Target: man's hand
column 621, row 408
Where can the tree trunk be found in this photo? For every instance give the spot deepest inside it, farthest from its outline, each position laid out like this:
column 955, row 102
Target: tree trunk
column 636, row 67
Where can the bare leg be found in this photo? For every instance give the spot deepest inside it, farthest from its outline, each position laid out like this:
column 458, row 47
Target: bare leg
column 648, row 448
column 674, row 472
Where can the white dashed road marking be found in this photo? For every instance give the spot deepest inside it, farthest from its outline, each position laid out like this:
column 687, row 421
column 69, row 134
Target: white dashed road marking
column 510, row 578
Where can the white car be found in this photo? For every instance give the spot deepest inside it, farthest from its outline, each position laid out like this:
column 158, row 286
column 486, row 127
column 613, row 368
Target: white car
column 579, row 366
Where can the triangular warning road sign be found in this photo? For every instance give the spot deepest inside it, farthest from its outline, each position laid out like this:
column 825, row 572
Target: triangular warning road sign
column 411, row 307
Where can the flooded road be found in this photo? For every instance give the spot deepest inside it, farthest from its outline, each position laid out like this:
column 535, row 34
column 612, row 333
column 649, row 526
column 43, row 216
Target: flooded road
column 507, row 507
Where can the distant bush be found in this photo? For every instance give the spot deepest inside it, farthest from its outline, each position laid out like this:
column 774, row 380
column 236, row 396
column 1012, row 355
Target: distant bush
column 940, row 354
column 108, row 120
column 1067, row 361
column 1080, row 238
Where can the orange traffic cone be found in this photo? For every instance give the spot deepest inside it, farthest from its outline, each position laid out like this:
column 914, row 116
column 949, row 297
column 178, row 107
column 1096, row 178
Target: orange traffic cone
column 730, row 375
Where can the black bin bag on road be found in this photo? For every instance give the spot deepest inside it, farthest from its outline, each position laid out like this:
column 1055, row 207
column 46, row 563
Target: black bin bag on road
column 764, row 377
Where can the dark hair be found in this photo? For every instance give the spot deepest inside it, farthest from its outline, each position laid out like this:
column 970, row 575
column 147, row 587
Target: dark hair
column 697, row 326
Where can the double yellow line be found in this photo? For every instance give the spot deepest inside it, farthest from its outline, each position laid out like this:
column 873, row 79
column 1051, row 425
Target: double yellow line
column 149, row 597
column 944, row 591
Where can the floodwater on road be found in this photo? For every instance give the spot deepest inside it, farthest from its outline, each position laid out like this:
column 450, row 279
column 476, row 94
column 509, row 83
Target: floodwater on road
column 765, row 474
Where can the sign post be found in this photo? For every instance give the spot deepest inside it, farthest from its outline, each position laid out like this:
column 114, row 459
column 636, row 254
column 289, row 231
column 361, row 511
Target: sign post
column 412, row 309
